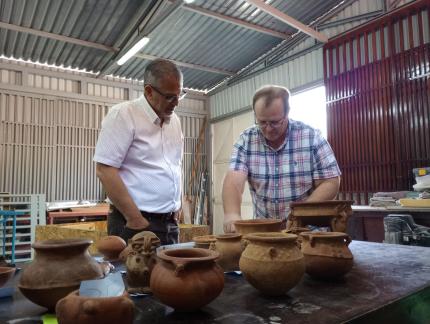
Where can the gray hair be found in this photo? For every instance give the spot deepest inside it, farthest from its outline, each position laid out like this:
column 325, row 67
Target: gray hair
column 270, row 93
column 156, row 70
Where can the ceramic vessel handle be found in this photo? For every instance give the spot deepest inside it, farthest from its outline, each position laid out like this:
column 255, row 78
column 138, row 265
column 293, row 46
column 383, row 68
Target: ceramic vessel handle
column 212, row 246
column 272, row 252
column 179, row 267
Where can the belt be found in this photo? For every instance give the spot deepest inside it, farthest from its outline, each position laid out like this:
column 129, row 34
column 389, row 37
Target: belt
column 162, row 216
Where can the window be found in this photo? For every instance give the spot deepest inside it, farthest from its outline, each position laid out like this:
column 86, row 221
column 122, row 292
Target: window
column 309, row 107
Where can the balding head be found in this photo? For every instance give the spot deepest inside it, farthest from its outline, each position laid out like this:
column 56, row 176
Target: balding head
column 270, row 93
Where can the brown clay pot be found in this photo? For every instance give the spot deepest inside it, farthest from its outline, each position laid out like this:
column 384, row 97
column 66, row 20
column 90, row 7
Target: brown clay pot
column 230, row 248
column 272, row 262
column 204, row 241
column 74, row 309
column 111, row 246
column 187, row 279
column 327, row 255
column 247, row 226
column 5, row 274
column 58, row 268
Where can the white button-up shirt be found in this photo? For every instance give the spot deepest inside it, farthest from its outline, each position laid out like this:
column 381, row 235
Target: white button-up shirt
column 149, row 157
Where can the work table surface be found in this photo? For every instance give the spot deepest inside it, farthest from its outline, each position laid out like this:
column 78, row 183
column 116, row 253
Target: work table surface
column 382, row 274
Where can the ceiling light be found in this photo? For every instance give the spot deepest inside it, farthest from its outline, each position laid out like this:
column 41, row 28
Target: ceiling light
column 136, row 48
column 188, row 1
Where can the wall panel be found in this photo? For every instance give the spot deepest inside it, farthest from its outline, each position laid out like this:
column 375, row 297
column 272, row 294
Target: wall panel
column 47, row 141
column 378, row 107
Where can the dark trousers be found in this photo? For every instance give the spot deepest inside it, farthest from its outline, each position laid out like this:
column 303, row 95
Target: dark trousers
column 165, row 226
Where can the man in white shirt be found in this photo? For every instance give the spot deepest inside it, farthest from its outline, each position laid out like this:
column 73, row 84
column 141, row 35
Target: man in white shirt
column 139, row 157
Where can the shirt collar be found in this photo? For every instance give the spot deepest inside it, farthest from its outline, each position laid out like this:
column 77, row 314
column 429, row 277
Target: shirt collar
column 288, row 130
column 150, row 113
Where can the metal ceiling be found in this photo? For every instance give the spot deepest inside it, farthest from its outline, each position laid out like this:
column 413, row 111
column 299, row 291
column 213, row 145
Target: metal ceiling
column 212, row 48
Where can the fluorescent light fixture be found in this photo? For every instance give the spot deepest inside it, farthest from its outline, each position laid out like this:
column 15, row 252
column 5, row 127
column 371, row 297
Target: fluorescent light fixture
column 136, row 48
column 188, row 1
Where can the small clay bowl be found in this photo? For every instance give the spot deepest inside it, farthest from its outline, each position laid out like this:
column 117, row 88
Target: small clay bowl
column 204, row 241
column 5, row 274
column 111, row 246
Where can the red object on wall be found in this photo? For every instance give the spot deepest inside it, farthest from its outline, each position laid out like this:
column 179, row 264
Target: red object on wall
column 377, row 80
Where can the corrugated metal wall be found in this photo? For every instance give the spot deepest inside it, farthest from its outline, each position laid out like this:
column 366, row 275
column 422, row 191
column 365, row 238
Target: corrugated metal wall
column 49, row 125
column 377, row 85
column 303, row 65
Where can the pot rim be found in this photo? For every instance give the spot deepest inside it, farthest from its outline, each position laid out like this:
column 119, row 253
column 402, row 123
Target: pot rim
column 271, row 237
column 5, row 270
column 228, row 236
column 204, row 239
column 257, row 221
column 324, row 235
column 61, row 243
column 205, row 255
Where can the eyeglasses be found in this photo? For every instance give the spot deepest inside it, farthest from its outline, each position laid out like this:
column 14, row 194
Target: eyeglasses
column 169, row 98
column 273, row 124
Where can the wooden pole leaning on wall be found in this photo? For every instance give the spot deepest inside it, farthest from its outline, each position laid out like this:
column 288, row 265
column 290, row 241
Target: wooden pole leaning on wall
column 189, row 199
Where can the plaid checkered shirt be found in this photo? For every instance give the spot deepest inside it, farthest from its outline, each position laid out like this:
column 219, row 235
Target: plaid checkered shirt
column 277, row 177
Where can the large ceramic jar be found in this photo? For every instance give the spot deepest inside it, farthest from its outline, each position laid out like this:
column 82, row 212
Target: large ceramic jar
column 247, row 226
column 187, row 279
column 326, row 254
column 230, row 248
column 58, row 268
column 204, row 241
column 272, row 262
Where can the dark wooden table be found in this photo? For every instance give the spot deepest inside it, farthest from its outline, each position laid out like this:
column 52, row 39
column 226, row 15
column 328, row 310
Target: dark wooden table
column 388, row 284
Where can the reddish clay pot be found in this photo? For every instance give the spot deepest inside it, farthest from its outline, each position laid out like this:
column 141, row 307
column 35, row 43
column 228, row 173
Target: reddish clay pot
column 204, row 241
column 5, row 274
column 272, row 262
column 111, row 246
column 187, row 279
column 58, row 268
column 247, row 226
column 230, row 248
column 74, row 309
column 327, row 255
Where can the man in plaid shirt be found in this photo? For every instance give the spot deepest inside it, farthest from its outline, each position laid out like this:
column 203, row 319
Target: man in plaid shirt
column 283, row 160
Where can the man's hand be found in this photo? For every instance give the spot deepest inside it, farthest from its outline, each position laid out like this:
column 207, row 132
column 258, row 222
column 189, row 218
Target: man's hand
column 229, row 220
column 137, row 223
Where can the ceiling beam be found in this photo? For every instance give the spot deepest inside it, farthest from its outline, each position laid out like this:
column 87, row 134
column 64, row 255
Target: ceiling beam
column 235, row 21
column 61, row 38
column 188, row 65
column 288, row 20
column 103, row 47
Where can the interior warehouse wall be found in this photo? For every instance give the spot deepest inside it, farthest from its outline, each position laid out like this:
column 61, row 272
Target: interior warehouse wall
column 49, row 125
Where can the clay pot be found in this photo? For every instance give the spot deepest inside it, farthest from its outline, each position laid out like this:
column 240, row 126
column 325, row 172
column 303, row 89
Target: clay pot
column 5, row 274
column 74, row 309
column 230, row 248
column 187, row 279
column 204, row 241
column 247, row 226
column 58, row 268
column 272, row 262
column 111, row 246
column 327, row 255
